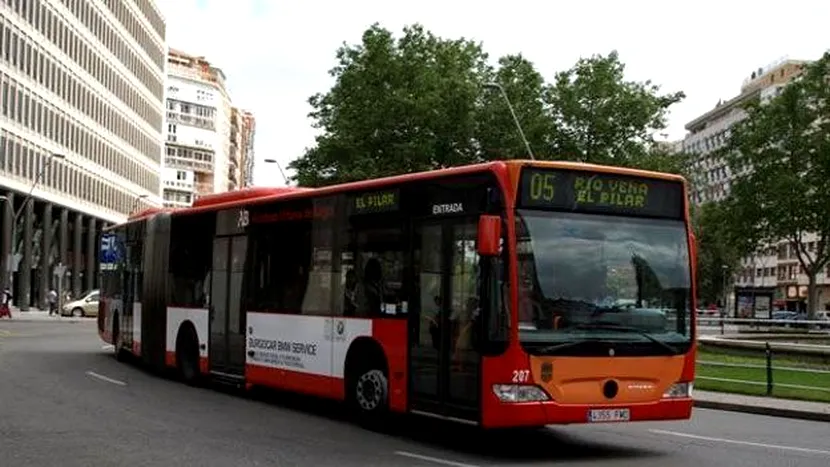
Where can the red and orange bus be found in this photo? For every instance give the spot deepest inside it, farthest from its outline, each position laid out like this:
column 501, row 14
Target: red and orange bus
column 504, row 294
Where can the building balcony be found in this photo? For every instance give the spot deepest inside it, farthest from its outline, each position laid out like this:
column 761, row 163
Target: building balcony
column 191, row 120
column 178, row 185
column 180, row 163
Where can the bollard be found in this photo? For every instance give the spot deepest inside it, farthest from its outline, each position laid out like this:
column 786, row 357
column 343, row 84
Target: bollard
column 768, row 353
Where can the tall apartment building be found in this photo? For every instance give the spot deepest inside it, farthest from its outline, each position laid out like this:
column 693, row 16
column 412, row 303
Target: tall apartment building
column 81, row 113
column 774, row 273
column 197, row 130
column 204, row 133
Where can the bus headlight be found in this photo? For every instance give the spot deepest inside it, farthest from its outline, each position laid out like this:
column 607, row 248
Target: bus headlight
column 678, row 391
column 519, row 393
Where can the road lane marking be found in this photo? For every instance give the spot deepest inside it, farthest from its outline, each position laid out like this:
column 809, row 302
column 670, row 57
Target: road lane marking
column 107, row 347
column 741, row 443
column 435, row 460
column 105, row 378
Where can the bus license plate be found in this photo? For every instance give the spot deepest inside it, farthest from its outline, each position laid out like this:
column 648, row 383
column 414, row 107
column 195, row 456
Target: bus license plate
column 609, row 415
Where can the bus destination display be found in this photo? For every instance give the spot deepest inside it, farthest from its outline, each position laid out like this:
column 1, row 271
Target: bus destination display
column 582, row 191
column 375, row 202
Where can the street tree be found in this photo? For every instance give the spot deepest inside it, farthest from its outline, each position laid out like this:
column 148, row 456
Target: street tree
column 422, row 102
column 780, row 156
column 418, row 103
column 717, row 259
column 601, row 117
column 396, row 106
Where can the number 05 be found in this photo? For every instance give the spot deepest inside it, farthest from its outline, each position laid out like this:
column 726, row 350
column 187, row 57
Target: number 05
column 541, row 187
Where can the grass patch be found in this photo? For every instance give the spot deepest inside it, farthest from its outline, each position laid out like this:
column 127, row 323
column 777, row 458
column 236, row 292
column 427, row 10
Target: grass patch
column 784, row 372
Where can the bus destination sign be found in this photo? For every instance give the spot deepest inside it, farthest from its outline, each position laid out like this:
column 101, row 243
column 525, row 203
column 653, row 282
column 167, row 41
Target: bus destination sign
column 598, row 192
column 376, row 202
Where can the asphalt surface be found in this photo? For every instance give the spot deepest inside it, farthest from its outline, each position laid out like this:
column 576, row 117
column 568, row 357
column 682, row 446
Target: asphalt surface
column 65, row 401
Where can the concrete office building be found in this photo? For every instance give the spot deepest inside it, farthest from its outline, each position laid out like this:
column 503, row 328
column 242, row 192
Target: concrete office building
column 81, row 113
column 775, row 271
column 710, row 131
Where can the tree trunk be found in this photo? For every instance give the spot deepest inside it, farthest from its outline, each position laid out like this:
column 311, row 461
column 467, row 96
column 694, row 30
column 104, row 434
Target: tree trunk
column 812, row 296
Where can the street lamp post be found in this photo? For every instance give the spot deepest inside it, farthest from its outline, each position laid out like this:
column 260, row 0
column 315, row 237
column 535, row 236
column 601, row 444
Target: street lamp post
column 10, row 258
column 501, row 90
column 725, row 311
column 274, row 161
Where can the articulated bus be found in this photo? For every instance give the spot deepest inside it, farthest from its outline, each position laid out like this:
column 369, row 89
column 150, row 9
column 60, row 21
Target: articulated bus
column 503, row 294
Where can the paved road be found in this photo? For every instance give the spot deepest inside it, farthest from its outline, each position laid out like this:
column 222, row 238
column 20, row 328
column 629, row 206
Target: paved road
column 65, row 401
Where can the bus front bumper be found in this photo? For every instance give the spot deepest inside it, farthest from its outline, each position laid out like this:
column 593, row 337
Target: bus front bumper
column 504, row 415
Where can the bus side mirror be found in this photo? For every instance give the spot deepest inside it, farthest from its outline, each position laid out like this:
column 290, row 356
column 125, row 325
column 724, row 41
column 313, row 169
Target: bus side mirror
column 489, row 235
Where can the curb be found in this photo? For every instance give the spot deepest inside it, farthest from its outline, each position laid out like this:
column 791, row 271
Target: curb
column 26, row 319
column 769, row 411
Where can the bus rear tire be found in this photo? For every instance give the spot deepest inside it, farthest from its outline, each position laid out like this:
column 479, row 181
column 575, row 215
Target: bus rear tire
column 368, row 392
column 187, row 356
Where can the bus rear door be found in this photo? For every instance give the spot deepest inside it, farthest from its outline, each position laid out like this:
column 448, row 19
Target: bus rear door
column 227, row 317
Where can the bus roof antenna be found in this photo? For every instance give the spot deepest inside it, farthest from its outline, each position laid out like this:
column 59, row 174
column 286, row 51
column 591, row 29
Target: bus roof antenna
column 500, row 88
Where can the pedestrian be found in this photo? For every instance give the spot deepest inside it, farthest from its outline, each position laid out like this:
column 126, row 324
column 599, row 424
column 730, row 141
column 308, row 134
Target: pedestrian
column 6, row 304
column 52, row 298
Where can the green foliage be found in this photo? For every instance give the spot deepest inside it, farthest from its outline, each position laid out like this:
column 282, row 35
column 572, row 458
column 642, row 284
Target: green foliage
column 397, row 106
column 717, row 259
column 421, row 102
column 602, row 118
column 785, row 195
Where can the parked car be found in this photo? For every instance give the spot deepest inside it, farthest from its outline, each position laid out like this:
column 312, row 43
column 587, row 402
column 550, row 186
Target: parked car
column 87, row 305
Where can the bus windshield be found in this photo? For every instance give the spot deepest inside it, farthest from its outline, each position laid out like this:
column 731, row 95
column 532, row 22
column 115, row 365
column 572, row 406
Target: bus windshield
column 587, row 279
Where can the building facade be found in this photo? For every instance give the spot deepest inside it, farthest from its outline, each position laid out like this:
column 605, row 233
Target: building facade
column 81, row 114
column 248, row 134
column 198, row 131
column 776, row 269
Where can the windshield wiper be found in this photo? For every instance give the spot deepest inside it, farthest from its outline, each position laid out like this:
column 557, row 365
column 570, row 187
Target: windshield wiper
column 566, row 345
column 617, row 327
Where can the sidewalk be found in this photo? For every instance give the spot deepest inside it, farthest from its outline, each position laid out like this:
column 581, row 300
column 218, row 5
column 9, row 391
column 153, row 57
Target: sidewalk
column 804, row 410
column 35, row 314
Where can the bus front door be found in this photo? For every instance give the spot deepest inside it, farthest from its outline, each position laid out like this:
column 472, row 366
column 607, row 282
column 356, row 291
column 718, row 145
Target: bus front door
column 227, row 321
column 445, row 367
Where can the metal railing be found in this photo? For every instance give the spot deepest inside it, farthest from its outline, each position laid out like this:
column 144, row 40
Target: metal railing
column 769, row 369
column 725, row 325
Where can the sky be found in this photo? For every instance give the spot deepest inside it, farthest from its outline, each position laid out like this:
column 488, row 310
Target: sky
column 277, row 53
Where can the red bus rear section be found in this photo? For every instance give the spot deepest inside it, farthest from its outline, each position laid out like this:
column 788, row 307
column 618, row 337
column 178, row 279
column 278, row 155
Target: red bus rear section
column 505, row 294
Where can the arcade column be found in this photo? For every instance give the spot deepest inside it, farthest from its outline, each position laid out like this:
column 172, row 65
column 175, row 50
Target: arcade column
column 45, row 269
column 91, row 254
column 77, row 230
column 24, row 292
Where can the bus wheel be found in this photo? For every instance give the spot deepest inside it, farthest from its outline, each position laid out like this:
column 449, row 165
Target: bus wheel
column 369, row 394
column 187, row 356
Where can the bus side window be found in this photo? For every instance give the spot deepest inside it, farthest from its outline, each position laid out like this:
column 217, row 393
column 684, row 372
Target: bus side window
column 321, row 275
column 377, row 253
column 190, row 261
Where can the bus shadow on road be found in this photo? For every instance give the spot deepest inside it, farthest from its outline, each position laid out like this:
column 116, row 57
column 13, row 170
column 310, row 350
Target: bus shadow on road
column 514, row 445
